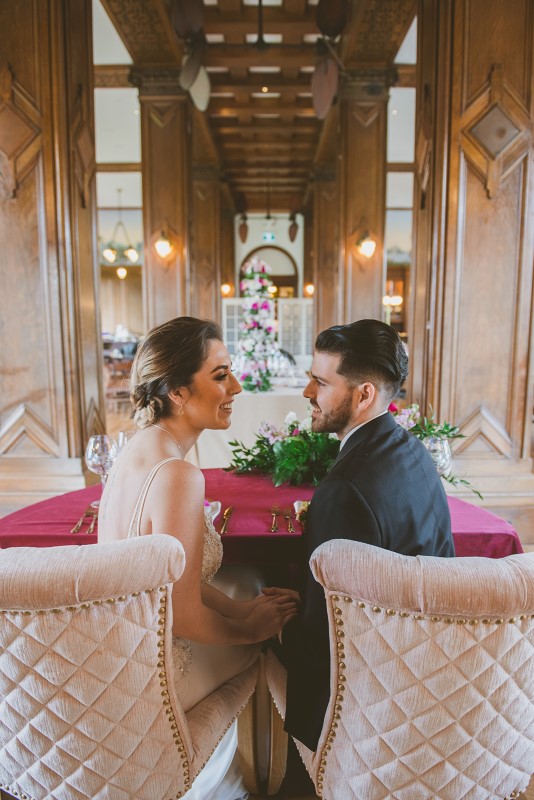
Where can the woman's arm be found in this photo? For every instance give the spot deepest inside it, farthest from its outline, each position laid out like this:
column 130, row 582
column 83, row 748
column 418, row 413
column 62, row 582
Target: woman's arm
column 175, row 506
column 240, row 609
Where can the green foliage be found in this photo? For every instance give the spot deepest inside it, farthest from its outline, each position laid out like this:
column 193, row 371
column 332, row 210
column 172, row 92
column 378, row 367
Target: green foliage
column 295, row 457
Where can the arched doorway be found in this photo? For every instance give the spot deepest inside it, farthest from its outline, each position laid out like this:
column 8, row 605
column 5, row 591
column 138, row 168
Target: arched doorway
column 284, row 272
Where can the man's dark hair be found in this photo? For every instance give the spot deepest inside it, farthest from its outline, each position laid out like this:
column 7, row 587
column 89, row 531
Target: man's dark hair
column 370, row 350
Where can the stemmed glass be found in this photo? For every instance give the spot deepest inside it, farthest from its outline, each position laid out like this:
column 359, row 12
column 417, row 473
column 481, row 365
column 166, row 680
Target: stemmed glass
column 100, row 454
column 440, row 452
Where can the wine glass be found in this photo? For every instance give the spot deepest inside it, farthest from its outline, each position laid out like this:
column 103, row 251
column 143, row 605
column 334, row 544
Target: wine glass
column 122, row 438
column 100, row 454
column 440, row 452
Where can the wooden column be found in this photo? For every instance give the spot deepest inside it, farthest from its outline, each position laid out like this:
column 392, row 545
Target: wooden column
column 206, row 243
column 472, row 330
column 362, row 190
column 166, row 173
column 227, row 244
column 50, row 356
column 328, row 300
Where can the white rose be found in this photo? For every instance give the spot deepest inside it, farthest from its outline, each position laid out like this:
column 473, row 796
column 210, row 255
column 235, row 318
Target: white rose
column 291, row 418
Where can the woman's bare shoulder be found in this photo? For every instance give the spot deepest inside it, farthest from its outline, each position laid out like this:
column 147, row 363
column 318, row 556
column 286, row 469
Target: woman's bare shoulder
column 175, row 472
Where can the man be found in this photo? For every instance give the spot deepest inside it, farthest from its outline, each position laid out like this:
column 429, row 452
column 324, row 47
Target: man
column 383, row 489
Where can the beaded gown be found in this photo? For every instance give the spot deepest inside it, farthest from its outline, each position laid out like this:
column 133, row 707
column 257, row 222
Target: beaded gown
column 199, row 669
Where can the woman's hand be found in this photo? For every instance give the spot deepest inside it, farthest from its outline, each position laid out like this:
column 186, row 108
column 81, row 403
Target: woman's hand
column 277, row 591
column 269, row 616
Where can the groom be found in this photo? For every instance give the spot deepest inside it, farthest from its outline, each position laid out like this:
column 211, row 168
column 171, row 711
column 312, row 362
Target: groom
column 383, row 489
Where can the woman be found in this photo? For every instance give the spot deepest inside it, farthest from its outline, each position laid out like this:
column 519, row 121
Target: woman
column 181, row 383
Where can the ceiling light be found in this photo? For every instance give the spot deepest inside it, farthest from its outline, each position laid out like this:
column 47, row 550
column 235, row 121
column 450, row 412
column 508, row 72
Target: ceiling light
column 122, row 272
column 110, row 254
column 113, row 248
column 265, row 89
column 163, row 246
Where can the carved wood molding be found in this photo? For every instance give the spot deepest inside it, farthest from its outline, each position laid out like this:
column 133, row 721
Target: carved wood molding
column 112, row 76
column 484, row 436
column 94, row 422
column 423, row 147
column 83, row 146
column 24, row 434
column 20, row 134
column 495, row 132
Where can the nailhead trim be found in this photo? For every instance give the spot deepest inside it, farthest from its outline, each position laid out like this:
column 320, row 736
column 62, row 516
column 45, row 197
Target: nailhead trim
column 122, row 598
column 391, row 612
column 342, row 678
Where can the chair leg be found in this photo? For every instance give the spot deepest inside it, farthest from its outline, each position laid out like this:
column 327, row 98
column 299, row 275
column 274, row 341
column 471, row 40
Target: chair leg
column 278, row 752
column 246, row 746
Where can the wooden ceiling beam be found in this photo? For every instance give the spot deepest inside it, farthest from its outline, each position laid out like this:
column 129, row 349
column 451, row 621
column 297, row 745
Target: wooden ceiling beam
column 230, row 56
column 221, row 82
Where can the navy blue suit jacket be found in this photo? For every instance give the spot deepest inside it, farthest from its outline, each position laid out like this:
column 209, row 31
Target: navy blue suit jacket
column 382, row 489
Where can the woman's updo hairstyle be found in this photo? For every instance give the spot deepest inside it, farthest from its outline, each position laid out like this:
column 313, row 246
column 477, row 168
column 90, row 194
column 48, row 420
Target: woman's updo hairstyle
column 167, row 358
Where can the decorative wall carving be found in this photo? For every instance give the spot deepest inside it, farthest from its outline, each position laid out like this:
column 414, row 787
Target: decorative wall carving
column 19, row 136
column 24, row 433
column 484, row 435
column 84, row 148
column 495, row 131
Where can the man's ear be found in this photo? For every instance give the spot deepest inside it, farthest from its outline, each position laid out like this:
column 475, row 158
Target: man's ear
column 367, row 392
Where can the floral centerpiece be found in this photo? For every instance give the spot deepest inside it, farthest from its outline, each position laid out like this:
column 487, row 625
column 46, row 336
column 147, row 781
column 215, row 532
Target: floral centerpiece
column 295, row 454
column 257, row 336
column 435, row 436
column 292, row 453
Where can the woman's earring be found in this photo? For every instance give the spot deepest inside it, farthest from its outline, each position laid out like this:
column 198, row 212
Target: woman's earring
column 181, row 410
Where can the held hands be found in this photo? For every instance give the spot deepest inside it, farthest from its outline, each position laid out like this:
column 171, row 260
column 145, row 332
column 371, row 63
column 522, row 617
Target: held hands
column 271, row 610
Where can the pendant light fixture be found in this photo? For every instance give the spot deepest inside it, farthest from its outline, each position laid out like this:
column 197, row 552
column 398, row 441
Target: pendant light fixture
column 113, row 248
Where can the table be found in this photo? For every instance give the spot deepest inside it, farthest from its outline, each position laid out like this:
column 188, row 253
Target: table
column 250, row 408
column 476, row 532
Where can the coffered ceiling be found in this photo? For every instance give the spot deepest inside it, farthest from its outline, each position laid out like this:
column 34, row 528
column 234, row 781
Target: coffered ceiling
column 260, row 127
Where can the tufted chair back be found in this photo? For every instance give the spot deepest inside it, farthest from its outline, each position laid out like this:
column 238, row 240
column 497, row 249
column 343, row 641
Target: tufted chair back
column 87, row 701
column 432, row 676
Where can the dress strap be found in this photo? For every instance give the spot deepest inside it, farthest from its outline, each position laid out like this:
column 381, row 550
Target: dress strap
column 133, row 530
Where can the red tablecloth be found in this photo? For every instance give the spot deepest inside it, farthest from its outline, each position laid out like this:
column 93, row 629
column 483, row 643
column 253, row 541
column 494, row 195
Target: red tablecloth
column 476, row 531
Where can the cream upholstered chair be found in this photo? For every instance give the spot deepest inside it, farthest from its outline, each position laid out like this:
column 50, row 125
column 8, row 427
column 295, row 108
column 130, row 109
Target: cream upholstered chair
column 87, row 701
column 432, row 680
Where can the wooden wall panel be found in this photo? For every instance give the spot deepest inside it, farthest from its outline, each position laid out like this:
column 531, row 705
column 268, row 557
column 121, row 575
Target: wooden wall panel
column 50, row 337
column 503, row 36
column 478, row 228
column 206, row 244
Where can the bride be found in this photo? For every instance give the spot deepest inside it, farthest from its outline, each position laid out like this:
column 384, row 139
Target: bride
column 181, row 383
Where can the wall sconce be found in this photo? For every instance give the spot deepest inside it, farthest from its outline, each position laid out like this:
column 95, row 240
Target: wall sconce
column 122, row 272
column 366, row 245
column 243, row 228
column 226, row 289
column 309, row 289
column 163, row 246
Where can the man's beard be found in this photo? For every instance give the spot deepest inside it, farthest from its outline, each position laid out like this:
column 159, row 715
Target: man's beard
column 337, row 420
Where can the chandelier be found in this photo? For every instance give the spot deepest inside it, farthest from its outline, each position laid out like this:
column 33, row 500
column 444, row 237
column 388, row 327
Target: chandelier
column 113, row 250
